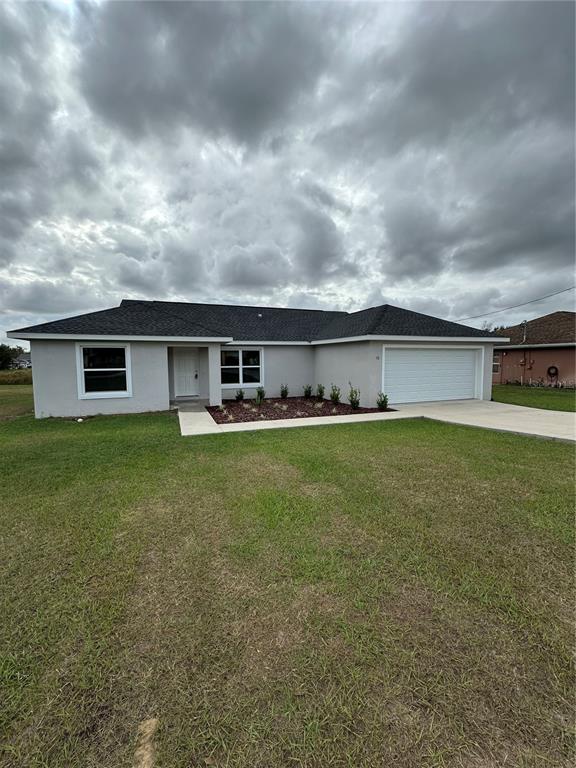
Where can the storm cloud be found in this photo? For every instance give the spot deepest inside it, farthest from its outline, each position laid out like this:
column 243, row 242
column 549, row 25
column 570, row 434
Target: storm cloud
column 330, row 155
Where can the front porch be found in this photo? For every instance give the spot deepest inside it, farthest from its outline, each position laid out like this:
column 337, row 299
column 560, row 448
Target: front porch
column 194, row 378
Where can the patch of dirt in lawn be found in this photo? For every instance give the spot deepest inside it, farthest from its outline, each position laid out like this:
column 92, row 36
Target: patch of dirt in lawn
column 277, row 626
column 279, row 408
column 263, row 469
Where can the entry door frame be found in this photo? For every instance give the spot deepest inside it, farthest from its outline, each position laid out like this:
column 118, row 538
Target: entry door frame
column 480, row 361
column 191, row 377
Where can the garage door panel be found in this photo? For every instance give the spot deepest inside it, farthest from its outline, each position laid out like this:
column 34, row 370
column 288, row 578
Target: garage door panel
column 420, row 375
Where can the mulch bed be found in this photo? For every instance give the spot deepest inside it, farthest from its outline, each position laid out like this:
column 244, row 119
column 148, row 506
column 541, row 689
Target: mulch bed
column 278, row 408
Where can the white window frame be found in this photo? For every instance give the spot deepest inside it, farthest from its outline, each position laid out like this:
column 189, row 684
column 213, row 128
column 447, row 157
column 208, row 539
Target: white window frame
column 82, row 394
column 496, row 361
column 242, row 384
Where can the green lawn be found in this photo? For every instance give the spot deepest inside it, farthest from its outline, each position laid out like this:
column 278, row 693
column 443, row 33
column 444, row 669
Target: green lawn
column 535, row 397
column 15, row 400
column 381, row 594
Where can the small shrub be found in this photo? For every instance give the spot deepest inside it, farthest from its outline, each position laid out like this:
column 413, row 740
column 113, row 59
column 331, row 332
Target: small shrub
column 307, row 391
column 320, row 389
column 335, row 394
column 284, row 391
column 239, row 395
column 382, row 401
column 222, row 408
column 260, row 395
column 354, row 396
column 319, row 404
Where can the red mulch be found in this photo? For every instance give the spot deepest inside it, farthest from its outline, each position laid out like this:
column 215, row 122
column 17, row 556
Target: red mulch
column 277, row 408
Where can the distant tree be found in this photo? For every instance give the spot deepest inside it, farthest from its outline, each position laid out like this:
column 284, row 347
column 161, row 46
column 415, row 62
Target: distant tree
column 8, row 355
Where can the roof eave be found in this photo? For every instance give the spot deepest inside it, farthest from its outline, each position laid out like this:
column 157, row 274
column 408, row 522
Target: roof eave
column 378, row 337
column 545, row 345
column 31, row 336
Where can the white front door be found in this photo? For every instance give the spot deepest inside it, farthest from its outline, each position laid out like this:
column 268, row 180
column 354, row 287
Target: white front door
column 185, row 371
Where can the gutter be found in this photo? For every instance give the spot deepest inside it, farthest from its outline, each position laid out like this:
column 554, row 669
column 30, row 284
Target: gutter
column 535, row 346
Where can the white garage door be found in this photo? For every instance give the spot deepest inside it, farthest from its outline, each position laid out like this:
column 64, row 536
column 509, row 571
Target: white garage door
column 420, row 375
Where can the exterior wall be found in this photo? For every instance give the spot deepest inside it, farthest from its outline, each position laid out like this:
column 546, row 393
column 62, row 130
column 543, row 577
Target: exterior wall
column 356, row 362
column 56, row 387
column 487, row 378
column 361, row 364
column 531, row 365
column 283, row 364
column 55, row 376
column 203, row 372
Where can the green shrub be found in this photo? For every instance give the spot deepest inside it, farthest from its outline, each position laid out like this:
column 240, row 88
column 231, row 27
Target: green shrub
column 354, row 396
column 320, row 391
column 307, row 391
column 260, row 395
column 284, row 391
column 16, row 376
column 382, row 401
column 239, row 395
column 335, row 394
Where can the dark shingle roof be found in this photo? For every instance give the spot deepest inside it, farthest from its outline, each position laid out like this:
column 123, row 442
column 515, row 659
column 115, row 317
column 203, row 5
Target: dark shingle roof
column 556, row 328
column 242, row 323
column 131, row 318
column 250, row 323
column 387, row 320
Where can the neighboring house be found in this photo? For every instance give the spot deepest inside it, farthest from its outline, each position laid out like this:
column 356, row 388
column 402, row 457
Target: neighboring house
column 145, row 355
column 540, row 351
column 22, row 361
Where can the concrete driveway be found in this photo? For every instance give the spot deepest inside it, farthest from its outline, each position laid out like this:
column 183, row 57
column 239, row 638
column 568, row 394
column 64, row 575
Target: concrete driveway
column 195, row 419
column 508, row 418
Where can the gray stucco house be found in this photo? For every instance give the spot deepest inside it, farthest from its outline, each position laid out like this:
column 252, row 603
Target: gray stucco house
column 146, row 355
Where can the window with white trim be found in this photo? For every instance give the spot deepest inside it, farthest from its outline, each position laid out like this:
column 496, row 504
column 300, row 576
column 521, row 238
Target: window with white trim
column 104, row 371
column 241, row 367
column 496, row 362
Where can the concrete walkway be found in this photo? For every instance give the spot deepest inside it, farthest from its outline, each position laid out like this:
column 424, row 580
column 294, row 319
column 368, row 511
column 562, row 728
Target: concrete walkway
column 195, row 420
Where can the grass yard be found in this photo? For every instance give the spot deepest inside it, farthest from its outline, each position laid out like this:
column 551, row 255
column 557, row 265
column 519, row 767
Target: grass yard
column 535, row 397
column 383, row 594
column 15, row 400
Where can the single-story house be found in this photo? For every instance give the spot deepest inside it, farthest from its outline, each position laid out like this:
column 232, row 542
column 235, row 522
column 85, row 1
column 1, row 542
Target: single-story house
column 147, row 355
column 541, row 351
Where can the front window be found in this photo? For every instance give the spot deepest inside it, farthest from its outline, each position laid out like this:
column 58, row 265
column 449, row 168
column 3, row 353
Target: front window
column 496, row 363
column 104, row 371
column 241, row 367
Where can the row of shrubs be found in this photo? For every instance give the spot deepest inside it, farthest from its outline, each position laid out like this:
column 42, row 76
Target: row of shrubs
column 335, row 395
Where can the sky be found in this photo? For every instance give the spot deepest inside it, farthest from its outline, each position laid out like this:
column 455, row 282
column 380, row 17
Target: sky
column 321, row 155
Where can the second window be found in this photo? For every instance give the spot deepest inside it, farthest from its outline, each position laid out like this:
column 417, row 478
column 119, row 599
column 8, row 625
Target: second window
column 241, row 367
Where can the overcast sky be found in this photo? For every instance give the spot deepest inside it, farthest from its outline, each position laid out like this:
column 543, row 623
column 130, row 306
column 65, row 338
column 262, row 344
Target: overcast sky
column 326, row 155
